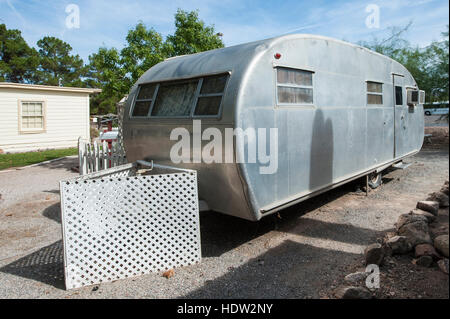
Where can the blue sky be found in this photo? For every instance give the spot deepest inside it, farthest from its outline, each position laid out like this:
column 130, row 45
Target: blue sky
column 106, row 22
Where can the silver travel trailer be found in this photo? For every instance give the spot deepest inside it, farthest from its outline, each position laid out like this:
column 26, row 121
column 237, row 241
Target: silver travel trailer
column 341, row 111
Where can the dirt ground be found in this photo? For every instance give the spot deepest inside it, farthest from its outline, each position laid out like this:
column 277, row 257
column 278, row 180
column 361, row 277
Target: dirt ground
column 303, row 252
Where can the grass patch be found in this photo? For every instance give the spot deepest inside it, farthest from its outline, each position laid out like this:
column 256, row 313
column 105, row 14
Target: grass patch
column 28, row 158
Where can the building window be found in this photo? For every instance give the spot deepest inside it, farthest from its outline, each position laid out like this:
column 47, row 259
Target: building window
column 294, row 86
column 199, row 97
column 32, row 117
column 398, row 95
column 374, row 93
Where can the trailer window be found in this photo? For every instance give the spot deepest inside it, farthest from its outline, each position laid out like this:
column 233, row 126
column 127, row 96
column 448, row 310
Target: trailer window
column 210, row 96
column 374, row 93
column 294, row 86
column 183, row 98
column 398, row 95
column 143, row 100
column 175, row 99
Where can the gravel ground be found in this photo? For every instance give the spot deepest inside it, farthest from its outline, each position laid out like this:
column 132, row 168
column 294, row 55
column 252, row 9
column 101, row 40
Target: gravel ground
column 433, row 120
column 300, row 253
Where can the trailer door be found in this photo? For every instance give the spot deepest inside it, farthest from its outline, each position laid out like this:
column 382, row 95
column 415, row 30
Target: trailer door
column 400, row 114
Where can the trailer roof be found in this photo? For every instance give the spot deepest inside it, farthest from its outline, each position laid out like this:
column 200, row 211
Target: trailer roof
column 225, row 59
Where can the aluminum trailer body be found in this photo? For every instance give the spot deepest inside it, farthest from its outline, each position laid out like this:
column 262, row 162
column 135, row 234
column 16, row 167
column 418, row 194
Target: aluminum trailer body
column 341, row 111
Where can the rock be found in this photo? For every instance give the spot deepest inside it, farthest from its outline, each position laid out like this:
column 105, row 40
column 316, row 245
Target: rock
column 428, row 206
column 443, row 265
column 405, row 219
column 387, row 251
column 444, row 190
column 169, row 273
column 430, row 217
column 439, row 197
column 416, row 232
column 374, row 254
column 438, row 230
column 399, row 245
column 441, row 244
column 356, row 277
column 354, row 293
column 424, row 261
column 425, row 250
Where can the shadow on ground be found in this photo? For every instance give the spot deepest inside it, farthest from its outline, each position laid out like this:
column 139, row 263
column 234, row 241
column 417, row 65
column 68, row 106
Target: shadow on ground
column 336, row 232
column 285, row 271
column 221, row 233
column 53, row 212
column 45, row 265
column 65, row 163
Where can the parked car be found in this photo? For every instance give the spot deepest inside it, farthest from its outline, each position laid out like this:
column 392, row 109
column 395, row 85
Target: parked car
column 110, row 135
column 436, row 111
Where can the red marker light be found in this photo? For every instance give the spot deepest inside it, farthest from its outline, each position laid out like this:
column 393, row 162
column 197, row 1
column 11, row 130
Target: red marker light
column 277, row 56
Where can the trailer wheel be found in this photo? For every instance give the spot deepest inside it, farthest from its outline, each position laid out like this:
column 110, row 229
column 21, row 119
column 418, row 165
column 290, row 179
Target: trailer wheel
column 428, row 113
column 375, row 180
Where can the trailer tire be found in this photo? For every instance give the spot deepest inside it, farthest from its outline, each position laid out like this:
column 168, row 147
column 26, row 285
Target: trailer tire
column 427, row 113
column 375, row 180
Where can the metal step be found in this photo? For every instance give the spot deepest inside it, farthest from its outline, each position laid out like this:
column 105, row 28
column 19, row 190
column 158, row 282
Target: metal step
column 401, row 165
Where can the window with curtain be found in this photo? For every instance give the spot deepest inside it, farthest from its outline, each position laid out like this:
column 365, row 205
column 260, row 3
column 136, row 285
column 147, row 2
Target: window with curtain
column 294, row 86
column 374, row 93
column 175, row 99
column 198, row 97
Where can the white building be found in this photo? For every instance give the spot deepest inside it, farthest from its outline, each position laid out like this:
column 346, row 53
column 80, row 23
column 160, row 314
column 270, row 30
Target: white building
column 38, row 117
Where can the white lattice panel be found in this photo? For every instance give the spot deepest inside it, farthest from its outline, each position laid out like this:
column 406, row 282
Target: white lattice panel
column 119, row 227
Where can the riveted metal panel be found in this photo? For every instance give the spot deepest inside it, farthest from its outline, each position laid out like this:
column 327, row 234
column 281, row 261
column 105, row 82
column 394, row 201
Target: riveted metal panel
column 118, row 225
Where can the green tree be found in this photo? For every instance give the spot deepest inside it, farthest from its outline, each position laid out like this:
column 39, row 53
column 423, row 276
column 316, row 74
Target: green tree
column 106, row 72
column 57, row 65
column 18, row 62
column 116, row 72
column 393, row 45
column 144, row 49
column 437, row 66
column 191, row 35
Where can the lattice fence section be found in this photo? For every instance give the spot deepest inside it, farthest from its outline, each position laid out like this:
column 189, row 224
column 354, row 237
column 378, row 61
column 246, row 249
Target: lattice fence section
column 119, row 227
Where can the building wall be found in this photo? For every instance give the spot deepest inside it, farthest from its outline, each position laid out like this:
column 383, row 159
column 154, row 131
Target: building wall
column 67, row 118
